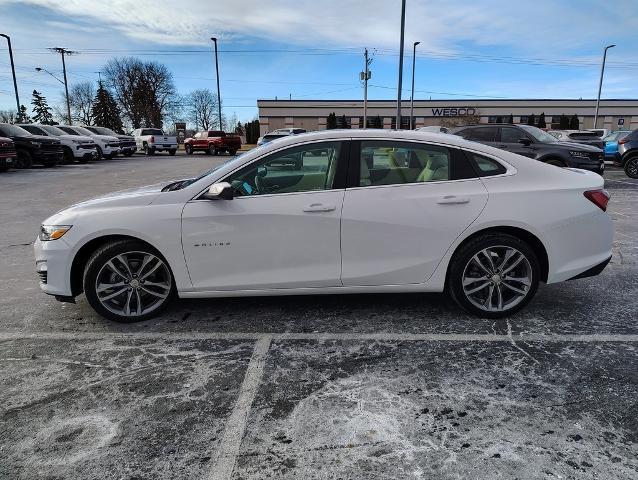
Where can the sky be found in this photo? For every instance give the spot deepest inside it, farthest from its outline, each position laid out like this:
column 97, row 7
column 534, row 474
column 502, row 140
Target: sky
column 305, row 49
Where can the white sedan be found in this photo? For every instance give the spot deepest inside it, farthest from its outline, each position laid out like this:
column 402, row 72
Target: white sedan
column 335, row 212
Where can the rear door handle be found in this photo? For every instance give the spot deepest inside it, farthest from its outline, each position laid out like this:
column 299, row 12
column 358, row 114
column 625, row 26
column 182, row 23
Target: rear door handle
column 319, row 207
column 452, row 200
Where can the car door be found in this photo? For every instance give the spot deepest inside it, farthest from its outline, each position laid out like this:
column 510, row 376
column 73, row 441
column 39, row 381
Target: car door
column 487, row 135
column 280, row 231
column 405, row 205
column 514, row 140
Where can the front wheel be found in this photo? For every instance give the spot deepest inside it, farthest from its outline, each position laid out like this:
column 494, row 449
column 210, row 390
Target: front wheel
column 188, row 149
column 149, row 150
column 128, row 281
column 232, row 152
column 25, row 160
column 100, row 153
column 494, row 275
column 172, row 152
column 631, row 167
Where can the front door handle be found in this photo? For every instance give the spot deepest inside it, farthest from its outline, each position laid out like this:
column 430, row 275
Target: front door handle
column 319, row 207
column 452, row 200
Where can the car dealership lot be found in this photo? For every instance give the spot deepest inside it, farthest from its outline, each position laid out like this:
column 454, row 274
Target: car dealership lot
column 362, row 386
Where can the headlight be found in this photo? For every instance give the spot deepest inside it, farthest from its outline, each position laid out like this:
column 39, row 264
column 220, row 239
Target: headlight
column 53, row 232
column 77, row 141
column 36, row 144
column 579, row 154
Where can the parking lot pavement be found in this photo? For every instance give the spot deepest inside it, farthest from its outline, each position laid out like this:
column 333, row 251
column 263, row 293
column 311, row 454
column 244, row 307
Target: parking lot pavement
column 360, row 386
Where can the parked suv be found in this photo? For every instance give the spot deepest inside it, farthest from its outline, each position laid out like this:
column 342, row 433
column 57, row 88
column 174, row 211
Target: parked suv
column 153, row 140
column 534, row 143
column 80, row 148
column 7, row 154
column 107, row 146
column 127, row 143
column 282, row 132
column 213, row 142
column 31, row 148
column 628, row 151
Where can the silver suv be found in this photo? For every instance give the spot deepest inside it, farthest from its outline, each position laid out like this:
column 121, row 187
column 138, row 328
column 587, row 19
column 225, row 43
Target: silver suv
column 281, row 132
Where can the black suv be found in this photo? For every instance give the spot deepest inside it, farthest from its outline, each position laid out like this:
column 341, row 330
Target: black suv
column 628, row 153
column 32, row 149
column 534, row 143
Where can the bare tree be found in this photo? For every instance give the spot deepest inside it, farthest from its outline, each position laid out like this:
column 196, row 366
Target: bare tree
column 8, row 116
column 468, row 119
column 144, row 91
column 201, row 108
column 81, row 97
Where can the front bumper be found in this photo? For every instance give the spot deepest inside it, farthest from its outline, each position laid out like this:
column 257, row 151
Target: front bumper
column 48, row 156
column 128, row 149
column 53, row 266
column 9, row 161
column 89, row 153
column 109, row 150
column 597, row 165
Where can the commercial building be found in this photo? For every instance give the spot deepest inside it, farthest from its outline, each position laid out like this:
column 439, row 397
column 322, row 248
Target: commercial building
column 617, row 114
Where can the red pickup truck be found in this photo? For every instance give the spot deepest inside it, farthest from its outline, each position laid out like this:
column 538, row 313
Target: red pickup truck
column 7, row 154
column 213, row 142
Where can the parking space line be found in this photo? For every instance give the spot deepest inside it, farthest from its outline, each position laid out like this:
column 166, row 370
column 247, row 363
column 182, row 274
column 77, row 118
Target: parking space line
column 224, row 463
column 320, row 337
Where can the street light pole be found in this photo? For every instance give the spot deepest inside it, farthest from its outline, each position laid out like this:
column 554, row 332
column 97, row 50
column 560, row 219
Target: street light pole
column 219, row 98
column 365, row 76
column 600, row 84
column 64, row 52
column 412, row 94
column 398, row 117
column 13, row 71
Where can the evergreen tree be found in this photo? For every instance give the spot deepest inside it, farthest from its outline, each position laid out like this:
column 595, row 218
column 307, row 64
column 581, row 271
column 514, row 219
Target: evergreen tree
column 564, row 122
column 105, row 111
column 331, row 121
column 376, row 122
column 531, row 120
column 239, row 129
column 342, row 122
column 41, row 110
column 510, row 119
column 574, row 123
column 23, row 116
column 541, row 121
column 252, row 132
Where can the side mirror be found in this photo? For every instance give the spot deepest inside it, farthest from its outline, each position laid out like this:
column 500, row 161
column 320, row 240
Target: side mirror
column 525, row 141
column 219, row 191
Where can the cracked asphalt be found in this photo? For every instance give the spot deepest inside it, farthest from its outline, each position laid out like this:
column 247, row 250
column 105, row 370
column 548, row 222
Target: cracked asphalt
column 318, row 387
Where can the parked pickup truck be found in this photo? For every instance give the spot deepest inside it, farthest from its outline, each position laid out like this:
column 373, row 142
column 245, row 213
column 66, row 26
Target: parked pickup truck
column 75, row 147
column 7, row 154
column 213, row 142
column 152, row 140
column 32, row 149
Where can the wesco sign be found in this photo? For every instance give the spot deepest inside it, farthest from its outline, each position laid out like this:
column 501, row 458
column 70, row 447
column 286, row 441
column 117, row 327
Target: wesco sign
column 453, row 111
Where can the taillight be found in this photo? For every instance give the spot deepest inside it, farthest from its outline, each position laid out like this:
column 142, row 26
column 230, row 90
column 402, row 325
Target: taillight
column 600, row 198
column 623, row 140
column 152, row 140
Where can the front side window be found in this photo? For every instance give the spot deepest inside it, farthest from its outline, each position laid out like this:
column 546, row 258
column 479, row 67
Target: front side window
column 34, row 130
column 511, row 135
column 303, row 168
column 391, row 163
column 69, row 131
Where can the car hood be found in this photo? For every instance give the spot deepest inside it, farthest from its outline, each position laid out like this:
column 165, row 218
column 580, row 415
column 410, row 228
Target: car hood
column 583, row 147
column 106, row 138
column 126, row 137
column 83, row 138
column 35, row 138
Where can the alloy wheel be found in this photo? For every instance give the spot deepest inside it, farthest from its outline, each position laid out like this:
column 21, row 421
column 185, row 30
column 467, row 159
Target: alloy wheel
column 497, row 278
column 631, row 168
column 132, row 284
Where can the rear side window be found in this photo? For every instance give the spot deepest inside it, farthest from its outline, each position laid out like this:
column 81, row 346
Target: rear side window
column 485, row 166
column 483, row 134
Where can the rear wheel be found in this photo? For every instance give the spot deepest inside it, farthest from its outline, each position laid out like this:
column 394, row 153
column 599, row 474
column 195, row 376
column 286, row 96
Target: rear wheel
column 212, row 150
column 232, row 152
column 494, row 275
column 631, row 167
column 188, row 149
column 128, row 281
column 149, row 150
column 172, row 152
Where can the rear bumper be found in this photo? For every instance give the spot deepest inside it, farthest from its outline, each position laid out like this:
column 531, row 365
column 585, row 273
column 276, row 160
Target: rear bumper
column 593, row 271
column 162, row 147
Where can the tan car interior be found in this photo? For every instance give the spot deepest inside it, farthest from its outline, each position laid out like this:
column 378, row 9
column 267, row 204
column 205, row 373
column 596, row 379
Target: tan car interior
column 404, row 166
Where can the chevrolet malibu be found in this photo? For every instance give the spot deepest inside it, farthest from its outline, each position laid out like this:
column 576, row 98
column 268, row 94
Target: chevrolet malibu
column 335, row 212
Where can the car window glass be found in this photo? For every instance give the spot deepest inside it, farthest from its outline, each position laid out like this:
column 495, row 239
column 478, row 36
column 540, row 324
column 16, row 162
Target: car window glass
column 198, row 135
column 391, row 163
column 298, row 169
column 485, row 166
column 69, row 130
column 34, row 130
column 511, row 135
column 483, row 134
column 151, row 131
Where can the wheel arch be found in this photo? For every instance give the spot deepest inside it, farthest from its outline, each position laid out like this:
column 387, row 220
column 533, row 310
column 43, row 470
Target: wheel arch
column 525, row 235
column 84, row 253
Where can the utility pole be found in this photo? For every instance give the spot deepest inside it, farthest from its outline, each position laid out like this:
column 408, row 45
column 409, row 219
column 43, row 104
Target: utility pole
column 600, row 84
column 412, row 91
column 365, row 76
column 398, row 120
column 64, row 52
column 219, row 97
column 13, row 71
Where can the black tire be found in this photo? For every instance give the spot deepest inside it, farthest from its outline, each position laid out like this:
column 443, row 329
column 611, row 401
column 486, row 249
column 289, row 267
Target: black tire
column 69, row 158
column 211, row 150
column 129, row 154
column 188, row 149
column 149, row 150
column 172, row 152
column 100, row 154
column 49, row 164
column 4, row 168
column 25, row 159
column 461, row 268
column 631, row 167
column 232, row 152
column 96, row 265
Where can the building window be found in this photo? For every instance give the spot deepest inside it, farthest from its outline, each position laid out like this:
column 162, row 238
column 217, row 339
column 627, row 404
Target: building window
column 524, row 119
column 405, row 122
column 495, row 119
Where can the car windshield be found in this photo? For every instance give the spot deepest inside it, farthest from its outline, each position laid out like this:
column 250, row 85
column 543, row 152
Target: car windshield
column 103, row 131
column 69, row 130
column 35, row 130
column 14, row 130
column 52, row 130
column 83, row 131
column 185, row 183
column 539, row 134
